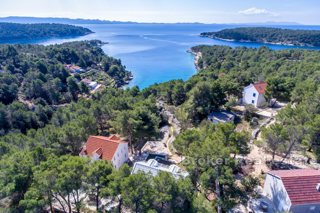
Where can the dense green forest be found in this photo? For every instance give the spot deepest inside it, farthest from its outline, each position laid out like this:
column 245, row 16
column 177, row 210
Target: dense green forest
column 269, row 35
column 40, row 166
column 286, row 71
column 112, row 111
column 33, row 79
column 293, row 76
column 225, row 71
column 14, row 31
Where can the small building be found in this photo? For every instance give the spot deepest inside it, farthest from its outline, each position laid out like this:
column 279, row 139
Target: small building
column 296, row 191
column 254, row 94
column 111, row 148
column 73, row 68
column 222, row 116
column 91, row 84
column 154, row 166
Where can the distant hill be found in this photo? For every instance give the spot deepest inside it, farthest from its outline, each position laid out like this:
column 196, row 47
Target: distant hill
column 21, row 19
column 14, row 31
column 25, row 19
column 269, row 35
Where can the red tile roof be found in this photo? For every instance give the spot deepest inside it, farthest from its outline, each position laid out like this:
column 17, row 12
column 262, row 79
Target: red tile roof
column 114, row 137
column 105, row 147
column 260, row 87
column 300, row 185
column 98, row 152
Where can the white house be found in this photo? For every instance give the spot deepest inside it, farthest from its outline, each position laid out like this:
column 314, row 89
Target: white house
column 91, row 84
column 153, row 167
column 254, row 94
column 296, row 191
column 107, row 148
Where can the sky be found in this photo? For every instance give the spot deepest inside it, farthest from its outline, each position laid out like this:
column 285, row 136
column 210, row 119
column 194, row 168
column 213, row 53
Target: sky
column 205, row 11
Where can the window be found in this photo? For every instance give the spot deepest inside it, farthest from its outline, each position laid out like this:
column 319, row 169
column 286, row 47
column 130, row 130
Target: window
column 252, row 101
column 254, row 94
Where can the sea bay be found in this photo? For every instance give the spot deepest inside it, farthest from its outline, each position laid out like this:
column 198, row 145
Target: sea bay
column 157, row 53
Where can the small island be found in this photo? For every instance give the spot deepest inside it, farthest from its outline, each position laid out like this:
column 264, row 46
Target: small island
column 15, row 31
column 268, row 35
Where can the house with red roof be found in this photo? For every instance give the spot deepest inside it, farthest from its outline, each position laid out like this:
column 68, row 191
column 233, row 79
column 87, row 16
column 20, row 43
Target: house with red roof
column 254, row 94
column 111, row 148
column 296, row 191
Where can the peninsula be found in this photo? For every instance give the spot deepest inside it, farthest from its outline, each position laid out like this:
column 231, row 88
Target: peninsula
column 15, row 31
column 268, row 35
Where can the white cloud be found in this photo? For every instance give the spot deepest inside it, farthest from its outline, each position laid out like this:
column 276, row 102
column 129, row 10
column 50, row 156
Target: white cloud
column 257, row 11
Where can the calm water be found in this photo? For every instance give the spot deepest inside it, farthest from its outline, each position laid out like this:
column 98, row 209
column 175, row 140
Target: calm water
column 157, row 53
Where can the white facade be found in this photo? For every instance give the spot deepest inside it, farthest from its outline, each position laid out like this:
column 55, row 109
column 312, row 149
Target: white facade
column 275, row 190
column 252, row 96
column 93, row 84
column 94, row 157
column 121, row 155
column 277, row 193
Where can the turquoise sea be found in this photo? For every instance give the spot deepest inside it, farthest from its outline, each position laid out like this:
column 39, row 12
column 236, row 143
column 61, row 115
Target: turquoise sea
column 157, row 52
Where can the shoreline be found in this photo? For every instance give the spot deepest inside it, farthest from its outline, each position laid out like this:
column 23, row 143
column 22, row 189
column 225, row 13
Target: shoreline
column 197, row 57
column 261, row 42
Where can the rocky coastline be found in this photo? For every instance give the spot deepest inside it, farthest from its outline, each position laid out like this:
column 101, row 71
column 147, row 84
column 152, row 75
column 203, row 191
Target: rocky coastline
column 197, row 57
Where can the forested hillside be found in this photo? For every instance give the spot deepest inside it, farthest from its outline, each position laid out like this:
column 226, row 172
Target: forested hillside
column 14, row 31
column 39, row 165
column 293, row 76
column 24, row 157
column 34, row 77
column 269, row 35
column 286, row 71
column 43, row 165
